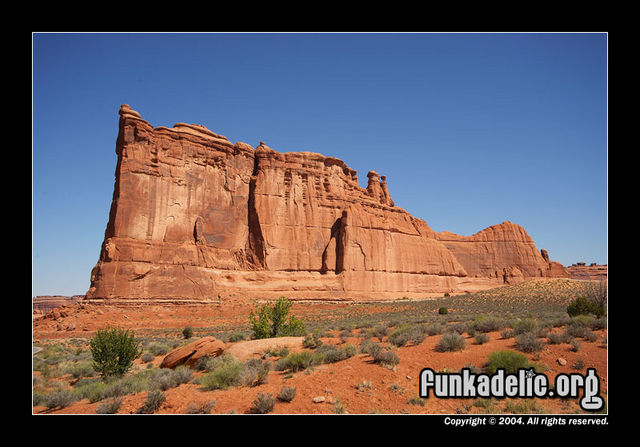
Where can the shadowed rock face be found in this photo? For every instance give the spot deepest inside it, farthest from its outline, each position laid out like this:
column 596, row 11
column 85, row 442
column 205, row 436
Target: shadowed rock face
column 196, row 217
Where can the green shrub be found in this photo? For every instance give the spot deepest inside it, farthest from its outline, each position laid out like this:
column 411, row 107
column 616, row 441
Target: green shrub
column 158, row 349
column 584, row 306
column 271, row 321
column 264, row 403
column 481, row 338
column 299, row 361
column 187, row 332
column 405, row 334
column 236, row 336
column 225, row 372
column 575, row 345
column 528, row 342
column 147, row 357
column 443, row 311
column 59, row 399
column 80, row 369
column 509, row 360
column 370, row 347
column 114, row 351
column 166, row 378
column 380, row 331
column 204, row 408
column 154, row 401
column 110, row 406
column 386, row 357
column 287, row 393
column 311, row 341
column 556, row 339
column 433, row 329
column 488, row 324
column 451, row 342
column 525, row 325
column 416, row 401
column 255, row 372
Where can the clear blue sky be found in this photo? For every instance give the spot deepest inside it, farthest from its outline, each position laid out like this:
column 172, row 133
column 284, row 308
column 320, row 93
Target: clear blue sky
column 470, row 129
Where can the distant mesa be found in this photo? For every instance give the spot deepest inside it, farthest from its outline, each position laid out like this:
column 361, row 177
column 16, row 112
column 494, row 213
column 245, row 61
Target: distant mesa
column 196, row 218
column 593, row 271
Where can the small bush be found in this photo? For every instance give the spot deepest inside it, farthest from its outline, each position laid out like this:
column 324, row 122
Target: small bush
column 167, row 378
column 386, row 357
column 416, row 401
column 264, row 403
column 528, row 342
column 380, row 331
column 370, row 347
column 147, row 357
column 59, row 399
column 443, row 311
column 405, row 334
column 311, row 341
column 575, row 345
column 509, row 360
column 451, row 342
column 507, row 333
column 579, row 364
column 433, row 329
column 236, row 336
column 255, row 372
column 226, row 372
column 114, row 351
column 111, row 406
column 556, row 339
column 287, row 393
column 524, row 326
column 204, row 408
column 299, row 361
column 589, row 335
column 158, row 349
column 488, row 324
column 583, row 306
column 271, row 321
column 187, row 332
column 481, row 339
column 154, row 401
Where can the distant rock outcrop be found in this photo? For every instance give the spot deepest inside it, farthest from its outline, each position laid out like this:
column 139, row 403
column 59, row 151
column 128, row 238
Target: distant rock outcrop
column 593, row 271
column 195, row 217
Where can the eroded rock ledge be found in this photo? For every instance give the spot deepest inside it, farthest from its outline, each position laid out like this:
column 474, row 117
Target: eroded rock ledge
column 196, row 217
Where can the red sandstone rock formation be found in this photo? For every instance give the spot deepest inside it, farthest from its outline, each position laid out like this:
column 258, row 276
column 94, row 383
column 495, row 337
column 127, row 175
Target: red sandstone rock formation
column 503, row 251
column 589, row 272
column 196, row 217
column 189, row 354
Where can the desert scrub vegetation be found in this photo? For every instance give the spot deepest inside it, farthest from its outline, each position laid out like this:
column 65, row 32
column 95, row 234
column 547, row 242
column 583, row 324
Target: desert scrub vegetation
column 451, row 341
column 225, row 371
column 509, row 360
column 110, row 406
column 153, row 402
column 287, row 393
column 113, row 351
column 271, row 321
column 406, row 333
column 524, row 406
column 481, row 339
column 311, row 341
column 165, row 378
column 528, row 342
column 202, row 408
column 264, row 403
column 187, row 332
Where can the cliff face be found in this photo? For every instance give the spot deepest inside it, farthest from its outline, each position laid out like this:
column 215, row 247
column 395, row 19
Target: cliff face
column 503, row 251
column 196, row 217
column 593, row 272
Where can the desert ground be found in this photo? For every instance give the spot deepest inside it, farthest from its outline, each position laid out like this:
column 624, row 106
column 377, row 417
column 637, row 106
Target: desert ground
column 355, row 383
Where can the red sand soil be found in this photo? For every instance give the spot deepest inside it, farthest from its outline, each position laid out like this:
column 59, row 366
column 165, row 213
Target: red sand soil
column 336, row 381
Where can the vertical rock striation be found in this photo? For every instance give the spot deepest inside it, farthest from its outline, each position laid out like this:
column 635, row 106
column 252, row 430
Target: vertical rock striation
column 196, row 217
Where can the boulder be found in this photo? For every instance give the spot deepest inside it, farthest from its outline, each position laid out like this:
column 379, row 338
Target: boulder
column 190, row 353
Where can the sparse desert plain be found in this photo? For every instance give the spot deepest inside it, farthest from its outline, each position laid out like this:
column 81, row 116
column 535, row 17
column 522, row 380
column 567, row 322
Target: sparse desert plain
column 340, row 373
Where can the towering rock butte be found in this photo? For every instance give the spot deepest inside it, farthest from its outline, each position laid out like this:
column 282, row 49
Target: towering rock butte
column 195, row 217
